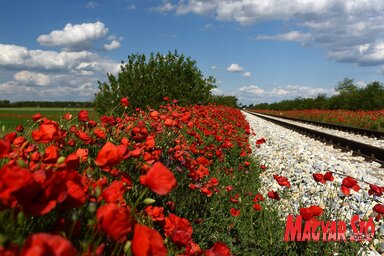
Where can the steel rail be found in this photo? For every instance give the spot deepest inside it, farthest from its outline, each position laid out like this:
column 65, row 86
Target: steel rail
column 367, row 151
column 356, row 130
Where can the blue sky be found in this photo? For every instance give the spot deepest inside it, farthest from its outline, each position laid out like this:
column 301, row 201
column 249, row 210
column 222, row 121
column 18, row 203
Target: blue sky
column 259, row 51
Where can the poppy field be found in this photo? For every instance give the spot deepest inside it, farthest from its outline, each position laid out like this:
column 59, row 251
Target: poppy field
column 373, row 120
column 134, row 184
column 172, row 181
column 10, row 117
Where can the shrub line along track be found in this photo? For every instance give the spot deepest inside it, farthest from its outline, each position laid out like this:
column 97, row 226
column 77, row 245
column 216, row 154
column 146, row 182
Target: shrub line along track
column 369, row 152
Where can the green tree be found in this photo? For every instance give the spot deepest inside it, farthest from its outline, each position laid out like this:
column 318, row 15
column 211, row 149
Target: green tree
column 230, row 101
column 145, row 82
column 346, row 86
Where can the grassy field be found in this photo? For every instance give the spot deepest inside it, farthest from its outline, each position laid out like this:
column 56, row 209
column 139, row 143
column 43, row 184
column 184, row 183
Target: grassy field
column 11, row 117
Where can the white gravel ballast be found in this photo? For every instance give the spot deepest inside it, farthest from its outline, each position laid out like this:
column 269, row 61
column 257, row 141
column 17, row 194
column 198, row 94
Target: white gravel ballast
column 297, row 157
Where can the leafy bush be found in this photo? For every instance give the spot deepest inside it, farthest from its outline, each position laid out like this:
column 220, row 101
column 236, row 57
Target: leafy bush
column 146, row 82
column 229, row 101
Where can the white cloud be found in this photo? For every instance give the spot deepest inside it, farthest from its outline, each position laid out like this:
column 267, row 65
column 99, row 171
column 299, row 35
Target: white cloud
column 18, row 57
column 254, row 94
column 79, row 36
column 50, row 75
column 32, row 78
column 361, row 84
column 165, row 7
column 294, row 36
column 252, row 89
column 169, row 35
column 247, row 74
column 350, row 31
column 91, row 5
column 112, row 45
column 131, row 7
column 235, row 68
column 208, row 26
column 213, row 67
column 12, row 54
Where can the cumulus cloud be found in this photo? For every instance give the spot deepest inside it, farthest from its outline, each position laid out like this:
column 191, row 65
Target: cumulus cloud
column 255, row 94
column 165, row 7
column 50, row 75
column 235, row 68
column 79, row 36
column 91, row 5
column 350, row 31
column 19, row 57
column 32, row 78
column 213, row 67
column 294, row 36
column 252, row 89
column 112, row 45
column 247, row 74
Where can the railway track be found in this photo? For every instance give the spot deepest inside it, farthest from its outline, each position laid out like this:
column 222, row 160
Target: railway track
column 362, row 131
column 369, row 152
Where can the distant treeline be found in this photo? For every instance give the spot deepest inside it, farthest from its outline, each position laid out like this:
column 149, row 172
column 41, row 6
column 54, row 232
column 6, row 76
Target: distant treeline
column 230, row 101
column 349, row 96
column 56, row 104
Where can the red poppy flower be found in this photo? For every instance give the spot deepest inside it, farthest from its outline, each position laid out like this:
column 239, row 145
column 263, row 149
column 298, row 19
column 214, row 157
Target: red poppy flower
column 67, row 116
column 114, row 221
column 47, row 244
column 257, row 207
column 114, row 192
column 72, row 161
column 258, row 197
column 82, row 154
column 218, row 249
column 379, row 208
column 10, row 137
column 273, row 195
column 228, row 188
column 263, row 167
column 179, row 229
column 318, row 177
column 347, row 184
column 260, row 141
column 83, row 116
column 51, row 154
column 19, row 128
column 234, row 200
column 283, row 181
column 168, row 122
column 159, row 179
column 375, row 190
column 328, row 176
column 147, row 241
column 124, row 102
column 36, row 117
column 156, row 213
column 100, row 133
column 310, row 212
column 234, row 212
column 5, row 147
column 76, row 196
column 47, row 132
column 108, row 155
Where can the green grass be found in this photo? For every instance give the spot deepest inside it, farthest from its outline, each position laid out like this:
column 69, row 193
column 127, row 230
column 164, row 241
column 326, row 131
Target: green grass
column 11, row 117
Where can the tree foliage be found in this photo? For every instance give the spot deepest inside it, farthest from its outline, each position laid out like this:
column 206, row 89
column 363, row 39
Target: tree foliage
column 229, row 101
column 348, row 96
column 146, row 81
